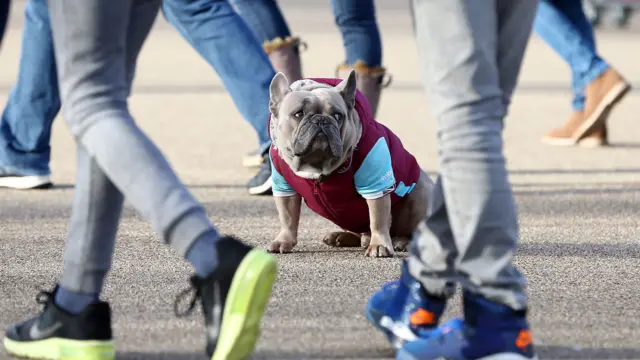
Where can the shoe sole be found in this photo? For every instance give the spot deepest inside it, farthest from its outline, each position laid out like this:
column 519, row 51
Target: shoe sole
column 613, row 97
column 25, row 182
column 403, row 355
column 375, row 318
column 249, row 293
column 61, row 349
column 381, row 322
column 262, row 189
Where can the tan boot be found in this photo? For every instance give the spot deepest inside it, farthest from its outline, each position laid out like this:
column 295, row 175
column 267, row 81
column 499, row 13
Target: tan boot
column 370, row 81
column 602, row 95
column 285, row 56
column 562, row 136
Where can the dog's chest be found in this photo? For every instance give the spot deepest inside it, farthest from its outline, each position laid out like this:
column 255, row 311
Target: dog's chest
column 335, row 197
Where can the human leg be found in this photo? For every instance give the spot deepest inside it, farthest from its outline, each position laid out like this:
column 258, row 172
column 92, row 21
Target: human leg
column 597, row 88
column 471, row 53
column 4, row 17
column 270, row 28
column 223, row 39
column 357, row 22
column 95, row 90
column 33, row 104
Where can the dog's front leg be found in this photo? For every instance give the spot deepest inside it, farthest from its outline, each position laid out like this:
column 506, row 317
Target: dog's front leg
column 380, row 219
column 289, row 214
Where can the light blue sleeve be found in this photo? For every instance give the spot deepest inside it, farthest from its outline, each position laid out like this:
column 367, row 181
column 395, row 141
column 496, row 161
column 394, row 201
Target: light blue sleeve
column 374, row 178
column 279, row 185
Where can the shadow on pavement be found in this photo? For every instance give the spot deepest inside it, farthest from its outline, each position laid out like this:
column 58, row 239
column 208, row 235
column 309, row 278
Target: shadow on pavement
column 577, row 191
column 191, row 186
column 616, row 251
column 544, row 352
column 159, row 356
column 573, row 171
column 566, row 352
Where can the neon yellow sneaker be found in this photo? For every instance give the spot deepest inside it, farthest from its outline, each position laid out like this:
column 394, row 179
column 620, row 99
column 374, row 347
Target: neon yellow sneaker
column 58, row 335
column 233, row 299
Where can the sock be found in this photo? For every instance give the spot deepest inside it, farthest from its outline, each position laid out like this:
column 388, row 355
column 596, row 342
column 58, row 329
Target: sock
column 203, row 255
column 74, row 302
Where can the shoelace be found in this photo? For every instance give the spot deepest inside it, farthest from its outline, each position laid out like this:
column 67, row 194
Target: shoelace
column 44, row 297
column 194, row 291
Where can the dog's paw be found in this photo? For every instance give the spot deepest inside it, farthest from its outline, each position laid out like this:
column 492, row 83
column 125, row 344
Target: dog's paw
column 400, row 243
column 379, row 251
column 283, row 243
column 342, row 239
column 280, row 247
column 365, row 240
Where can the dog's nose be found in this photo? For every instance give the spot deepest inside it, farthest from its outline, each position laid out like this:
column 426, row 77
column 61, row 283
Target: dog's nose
column 320, row 120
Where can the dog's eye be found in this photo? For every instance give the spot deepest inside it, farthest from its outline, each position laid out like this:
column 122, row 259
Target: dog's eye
column 299, row 114
column 337, row 116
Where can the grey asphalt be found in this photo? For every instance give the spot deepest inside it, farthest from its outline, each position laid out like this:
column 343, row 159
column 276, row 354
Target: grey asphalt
column 579, row 208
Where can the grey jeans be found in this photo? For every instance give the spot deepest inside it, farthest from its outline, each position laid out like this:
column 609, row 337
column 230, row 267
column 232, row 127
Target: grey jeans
column 471, row 53
column 96, row 46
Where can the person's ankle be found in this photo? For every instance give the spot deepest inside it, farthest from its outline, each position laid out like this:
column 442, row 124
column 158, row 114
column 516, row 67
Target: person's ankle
column 480, row 311
column 74, row 302
column 203, row 254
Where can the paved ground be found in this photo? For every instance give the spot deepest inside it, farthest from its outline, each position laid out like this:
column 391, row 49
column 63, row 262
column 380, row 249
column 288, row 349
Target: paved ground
column 578, row 208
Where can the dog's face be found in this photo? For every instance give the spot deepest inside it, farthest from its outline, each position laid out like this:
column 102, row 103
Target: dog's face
column 314, row 126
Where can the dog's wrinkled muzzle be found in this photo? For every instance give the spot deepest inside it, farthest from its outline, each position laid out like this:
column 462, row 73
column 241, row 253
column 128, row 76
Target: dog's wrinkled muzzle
column 310, row 129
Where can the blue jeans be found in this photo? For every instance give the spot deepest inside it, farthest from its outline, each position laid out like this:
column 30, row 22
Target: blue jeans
column 564, row 26
column 355, row 18
column 219, row 35
column 4, row 17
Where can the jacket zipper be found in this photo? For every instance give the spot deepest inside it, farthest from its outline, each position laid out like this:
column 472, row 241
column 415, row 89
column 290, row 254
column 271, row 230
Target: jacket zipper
column 320, row 198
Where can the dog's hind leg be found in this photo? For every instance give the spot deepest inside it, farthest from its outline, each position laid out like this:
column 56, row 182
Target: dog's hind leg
column 407, row 215
column 342, row 239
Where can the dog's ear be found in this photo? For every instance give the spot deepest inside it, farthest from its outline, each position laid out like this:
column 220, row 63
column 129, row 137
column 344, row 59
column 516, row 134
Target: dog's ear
column 347, row 89
column 277, row 90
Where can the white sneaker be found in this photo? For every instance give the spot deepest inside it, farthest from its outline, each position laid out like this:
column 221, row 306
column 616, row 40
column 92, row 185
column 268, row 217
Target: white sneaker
column 24, row 182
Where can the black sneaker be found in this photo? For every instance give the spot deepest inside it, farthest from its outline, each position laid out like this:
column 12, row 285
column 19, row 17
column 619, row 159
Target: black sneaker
column 12, row 180
column 57, row 334
column 233, row 299
column 261, row 183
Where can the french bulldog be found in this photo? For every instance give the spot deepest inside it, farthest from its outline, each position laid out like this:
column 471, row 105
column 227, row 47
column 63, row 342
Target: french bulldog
column 328, row 150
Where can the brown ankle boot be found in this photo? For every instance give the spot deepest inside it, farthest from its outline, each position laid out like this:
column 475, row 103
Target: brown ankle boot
column 370, row 81
column 563, row 136
column 285, row 56
column 602, row 94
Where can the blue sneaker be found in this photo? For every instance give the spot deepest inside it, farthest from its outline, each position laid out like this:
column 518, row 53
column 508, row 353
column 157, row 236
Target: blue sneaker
column 403, row 311
column 491, row 331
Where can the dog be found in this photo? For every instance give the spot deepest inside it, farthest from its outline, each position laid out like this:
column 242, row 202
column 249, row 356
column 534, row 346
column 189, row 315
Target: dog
column 328, row 150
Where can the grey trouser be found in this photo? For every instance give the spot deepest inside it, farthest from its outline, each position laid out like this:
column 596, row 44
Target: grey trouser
column 471, row 52
column 96, row 46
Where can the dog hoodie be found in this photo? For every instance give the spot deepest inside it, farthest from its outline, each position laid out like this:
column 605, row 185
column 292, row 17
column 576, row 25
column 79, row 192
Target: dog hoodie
column 379, row 165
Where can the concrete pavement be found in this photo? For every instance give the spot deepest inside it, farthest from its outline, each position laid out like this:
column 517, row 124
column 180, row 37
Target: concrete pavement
column 578, row 208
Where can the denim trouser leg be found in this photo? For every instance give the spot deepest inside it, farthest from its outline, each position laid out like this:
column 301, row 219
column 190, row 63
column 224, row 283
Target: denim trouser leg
column 94, row 90
column 563, row 25
column 225, row 41
column 356, row 20
column 4, row 17
column 34, row 102
column 263, row 17
column 471, row 52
